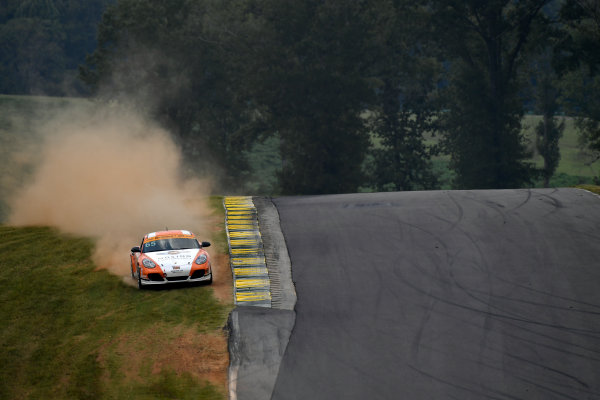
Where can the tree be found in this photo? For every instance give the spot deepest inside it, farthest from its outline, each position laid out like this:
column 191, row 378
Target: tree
column 549, row 130
column 304, row 65
column 31, row 56
column 581, row 42
column 164, row 57
column 546, row 98
column 578, row 61
column 486, row 42
column 404, row 109
column 42, row 42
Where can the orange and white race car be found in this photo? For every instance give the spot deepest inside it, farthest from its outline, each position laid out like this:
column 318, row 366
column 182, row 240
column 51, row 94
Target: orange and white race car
column 173, row 256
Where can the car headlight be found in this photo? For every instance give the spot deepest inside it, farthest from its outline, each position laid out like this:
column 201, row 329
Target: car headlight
column 148, row 263
column 201, row 259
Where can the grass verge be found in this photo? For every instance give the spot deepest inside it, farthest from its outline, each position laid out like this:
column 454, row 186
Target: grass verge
column 590, row 188
column 72, row 331
column 220, row 236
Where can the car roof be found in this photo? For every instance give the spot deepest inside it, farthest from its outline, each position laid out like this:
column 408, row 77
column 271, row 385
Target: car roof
column 168, row 235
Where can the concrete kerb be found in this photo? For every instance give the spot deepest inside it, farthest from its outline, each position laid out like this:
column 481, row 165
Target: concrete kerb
column 279, row 266
column 250, row 283
column 259, row 329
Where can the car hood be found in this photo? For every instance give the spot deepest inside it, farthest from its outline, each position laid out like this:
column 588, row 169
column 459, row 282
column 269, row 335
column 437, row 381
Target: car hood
column 174, row 260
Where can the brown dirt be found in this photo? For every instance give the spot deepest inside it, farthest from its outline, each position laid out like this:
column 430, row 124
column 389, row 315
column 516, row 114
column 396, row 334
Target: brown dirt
column 222, row 279
column 202, row 355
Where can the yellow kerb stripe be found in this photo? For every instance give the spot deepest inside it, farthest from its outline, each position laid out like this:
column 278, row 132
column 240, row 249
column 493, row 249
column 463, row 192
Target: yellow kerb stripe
column 244, row 242
column 244, row 283
column 240, row 217
column 250, row 271
column 252, row 296
column 238, row 203
column 240, row 227
column 248, row 261
column 251, row 224
column 244, row 234
column 240, row 252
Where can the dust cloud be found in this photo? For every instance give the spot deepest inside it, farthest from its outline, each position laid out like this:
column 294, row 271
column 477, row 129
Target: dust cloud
column 110, row 174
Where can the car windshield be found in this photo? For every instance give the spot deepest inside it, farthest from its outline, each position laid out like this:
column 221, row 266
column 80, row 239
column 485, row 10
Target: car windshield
column 170, row 244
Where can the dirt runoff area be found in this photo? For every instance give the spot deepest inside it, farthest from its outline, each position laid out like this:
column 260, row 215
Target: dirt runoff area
column 201, row 355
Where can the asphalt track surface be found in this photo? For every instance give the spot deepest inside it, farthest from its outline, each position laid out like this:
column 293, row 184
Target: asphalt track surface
column 443, row 295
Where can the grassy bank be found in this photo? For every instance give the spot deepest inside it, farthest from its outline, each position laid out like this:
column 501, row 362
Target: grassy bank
column 71, row 331
column 590, row 188
column 574, row 163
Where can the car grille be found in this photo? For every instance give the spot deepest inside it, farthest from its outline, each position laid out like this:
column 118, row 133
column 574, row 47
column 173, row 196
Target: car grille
column 176, row 278
column 155, row 277
column 199, row 273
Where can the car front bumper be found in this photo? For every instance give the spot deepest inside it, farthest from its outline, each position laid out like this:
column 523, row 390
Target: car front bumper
column 166, row 281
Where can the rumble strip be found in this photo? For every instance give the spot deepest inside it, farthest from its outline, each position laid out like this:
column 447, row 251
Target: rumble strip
column 250, row 276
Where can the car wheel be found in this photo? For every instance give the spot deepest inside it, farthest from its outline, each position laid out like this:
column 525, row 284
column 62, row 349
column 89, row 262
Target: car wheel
column 139, row 276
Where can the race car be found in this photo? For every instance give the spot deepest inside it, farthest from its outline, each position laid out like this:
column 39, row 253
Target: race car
column 173, row 256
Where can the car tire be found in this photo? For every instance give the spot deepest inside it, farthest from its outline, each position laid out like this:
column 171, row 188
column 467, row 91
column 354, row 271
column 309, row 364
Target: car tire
column 139, row 280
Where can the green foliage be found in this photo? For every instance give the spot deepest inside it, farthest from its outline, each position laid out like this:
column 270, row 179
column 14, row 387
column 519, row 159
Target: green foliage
column 42, row 42
column 563, row 180
column 264, row 159
column 63, row 319
column 167, row 57
column 487, row 44
column 578, row 60
column 483, row 136
column 233, row 79
column 575, row 160
column 443, row 173
column 299, row 71
column 590, row 188
column 548, row 134
column 403, row 161
column 404, row 109
column 306, row 61
column 580, row 45
column 220, row 242
column 580, row 100
column 549, row 130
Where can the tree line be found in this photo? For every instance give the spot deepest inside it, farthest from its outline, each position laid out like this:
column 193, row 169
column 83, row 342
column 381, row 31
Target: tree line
column 355, row 91
column 43, row 42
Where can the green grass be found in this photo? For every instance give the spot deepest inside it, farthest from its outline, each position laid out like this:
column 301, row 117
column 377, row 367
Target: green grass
column 573, row 162
column 220, row 237
column 591, row 188
column 71, row 331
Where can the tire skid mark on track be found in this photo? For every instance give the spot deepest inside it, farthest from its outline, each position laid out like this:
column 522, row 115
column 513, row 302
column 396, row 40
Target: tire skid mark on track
column 583, row 332
column 251, row 283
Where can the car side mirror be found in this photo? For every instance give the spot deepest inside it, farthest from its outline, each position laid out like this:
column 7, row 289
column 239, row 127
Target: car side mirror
column 205, row 244
column 136, row 249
